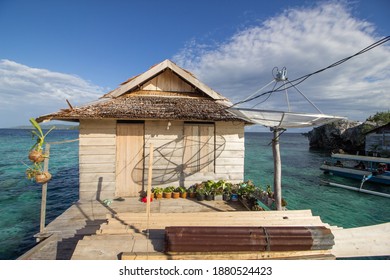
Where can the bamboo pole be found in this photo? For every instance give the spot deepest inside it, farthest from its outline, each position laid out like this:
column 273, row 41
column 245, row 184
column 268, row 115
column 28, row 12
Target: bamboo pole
column 149, row 187
column 277, row 169
column 44, row 190
column 148, row 193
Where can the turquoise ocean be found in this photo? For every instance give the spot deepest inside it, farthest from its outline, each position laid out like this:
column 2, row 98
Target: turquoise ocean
column 301, row 185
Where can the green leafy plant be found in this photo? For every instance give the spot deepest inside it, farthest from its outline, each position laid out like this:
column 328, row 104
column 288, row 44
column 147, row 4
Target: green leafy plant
column 35, row 171
column 191, row 189
column 157, row 190
column 181, row 189
column 209, row 187
column 38, row 132
column 169, row 189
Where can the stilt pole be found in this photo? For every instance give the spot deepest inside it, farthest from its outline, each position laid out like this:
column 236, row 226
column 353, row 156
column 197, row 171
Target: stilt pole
column 277, row 169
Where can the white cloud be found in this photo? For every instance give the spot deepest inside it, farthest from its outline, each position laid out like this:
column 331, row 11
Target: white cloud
column 29, row 92
column 303, row 40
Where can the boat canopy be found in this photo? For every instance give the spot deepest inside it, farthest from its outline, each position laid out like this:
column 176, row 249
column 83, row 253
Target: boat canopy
column 361, row 158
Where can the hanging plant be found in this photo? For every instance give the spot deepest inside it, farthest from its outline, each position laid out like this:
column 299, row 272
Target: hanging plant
column 35, row 172
column 36, row 151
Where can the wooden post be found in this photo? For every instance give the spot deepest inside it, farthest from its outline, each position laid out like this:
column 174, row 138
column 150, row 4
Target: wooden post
column 148, row 191
column 44, row 190
column 277, row 169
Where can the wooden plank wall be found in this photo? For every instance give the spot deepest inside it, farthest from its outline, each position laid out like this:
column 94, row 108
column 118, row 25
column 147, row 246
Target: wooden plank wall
column 97, row 152
column 168, row 81
column 168, row 151
column 377, row 142
column 169, row 154
column 230, row 151
column 98, row 156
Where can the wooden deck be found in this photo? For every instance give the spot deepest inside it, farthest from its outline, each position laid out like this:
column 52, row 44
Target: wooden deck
column 93, row 231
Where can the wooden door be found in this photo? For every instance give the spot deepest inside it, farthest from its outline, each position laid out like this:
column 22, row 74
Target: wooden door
column 129, row 159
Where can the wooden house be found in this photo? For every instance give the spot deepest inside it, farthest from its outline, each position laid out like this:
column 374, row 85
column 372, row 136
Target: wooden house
column 193, row 136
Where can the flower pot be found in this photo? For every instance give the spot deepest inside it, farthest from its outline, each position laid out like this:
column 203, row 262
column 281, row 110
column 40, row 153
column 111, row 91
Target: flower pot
column 218, row 197
column 200, row 197
column 43, row 177
column 175, row 195
column 167, row 195
column 183, row 195
column 234, row 197
column 36, row 156
column 158, row 195
column 145, row 199
column 192, row 195
column 209, row 197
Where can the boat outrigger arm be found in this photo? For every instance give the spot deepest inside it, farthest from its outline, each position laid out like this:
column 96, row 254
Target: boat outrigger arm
column 365, row 178
column 360, row 189
column 357, row 190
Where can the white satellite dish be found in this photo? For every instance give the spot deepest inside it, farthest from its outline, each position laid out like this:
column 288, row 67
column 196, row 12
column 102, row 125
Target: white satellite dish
column 283, row 120
column 279, row 121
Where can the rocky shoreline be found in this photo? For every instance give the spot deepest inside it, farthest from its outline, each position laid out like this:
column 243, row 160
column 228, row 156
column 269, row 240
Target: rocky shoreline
column 343, row 135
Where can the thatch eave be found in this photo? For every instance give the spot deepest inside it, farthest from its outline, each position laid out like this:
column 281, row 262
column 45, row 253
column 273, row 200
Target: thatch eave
column 139, row 107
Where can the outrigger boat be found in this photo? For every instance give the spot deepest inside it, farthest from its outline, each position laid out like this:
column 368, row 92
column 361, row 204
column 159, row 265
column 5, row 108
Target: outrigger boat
column 374, row 169
column 363, row 168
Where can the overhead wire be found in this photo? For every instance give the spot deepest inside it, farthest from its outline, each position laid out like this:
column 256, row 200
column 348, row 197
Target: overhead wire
column 297, row 81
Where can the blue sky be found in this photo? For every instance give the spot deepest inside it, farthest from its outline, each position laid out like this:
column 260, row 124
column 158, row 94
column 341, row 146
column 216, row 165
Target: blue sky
column 78, row 50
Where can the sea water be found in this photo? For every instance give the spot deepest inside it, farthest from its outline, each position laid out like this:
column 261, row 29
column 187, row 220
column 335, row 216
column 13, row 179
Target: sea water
column 301, row 185
column 20, row 199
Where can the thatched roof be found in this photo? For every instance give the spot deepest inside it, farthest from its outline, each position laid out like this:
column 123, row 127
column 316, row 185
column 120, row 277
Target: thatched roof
column 148, row 107
column 133, row 99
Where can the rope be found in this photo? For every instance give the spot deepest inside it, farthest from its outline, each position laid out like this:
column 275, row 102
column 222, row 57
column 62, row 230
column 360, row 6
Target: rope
column 299, row 80
column 63, row 142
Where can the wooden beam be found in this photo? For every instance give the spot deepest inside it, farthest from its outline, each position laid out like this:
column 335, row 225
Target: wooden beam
column 277, row 170
column 44, row 190
column 317, row 254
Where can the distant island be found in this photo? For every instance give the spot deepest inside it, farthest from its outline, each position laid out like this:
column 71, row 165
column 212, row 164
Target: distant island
column 48, row 126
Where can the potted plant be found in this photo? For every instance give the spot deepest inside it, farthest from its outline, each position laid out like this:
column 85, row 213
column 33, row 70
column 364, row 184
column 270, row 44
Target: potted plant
column 158, row 192
column 167, row 192
column 182, row 191
column 191, row 191
column 36, row 173
column 209, row 190
column 234, row 192
column 36, row 151
column 200, row 194
column 175, row 192
column 227, row 191
column 219, row 189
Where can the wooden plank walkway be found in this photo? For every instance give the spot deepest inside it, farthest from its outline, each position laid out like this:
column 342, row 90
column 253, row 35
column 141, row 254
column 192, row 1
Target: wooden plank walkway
column 362, row 242
column 84, row 218
column 91, row 230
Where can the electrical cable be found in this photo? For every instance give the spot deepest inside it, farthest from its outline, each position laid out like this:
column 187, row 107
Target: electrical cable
column 298, row 81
